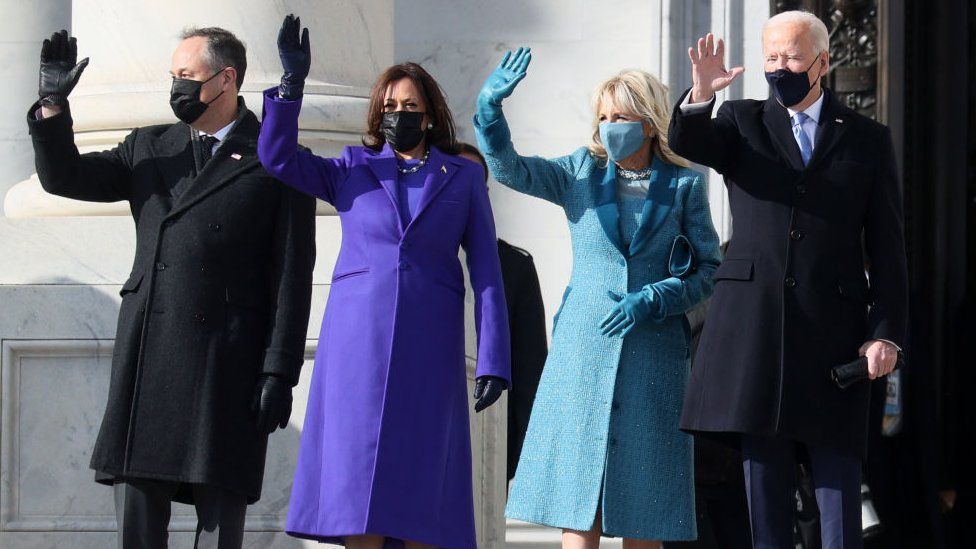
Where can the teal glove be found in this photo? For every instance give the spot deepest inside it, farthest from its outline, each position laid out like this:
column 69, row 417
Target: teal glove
column 633, row 308
column 501, row 83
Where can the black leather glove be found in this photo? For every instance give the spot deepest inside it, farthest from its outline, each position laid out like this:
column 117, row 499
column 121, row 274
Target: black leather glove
column 296, row 57
column 272, row 403
column 59, row 68
column 487, row 390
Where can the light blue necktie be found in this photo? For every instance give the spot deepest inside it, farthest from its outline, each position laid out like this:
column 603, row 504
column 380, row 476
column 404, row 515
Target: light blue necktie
column 802, row 139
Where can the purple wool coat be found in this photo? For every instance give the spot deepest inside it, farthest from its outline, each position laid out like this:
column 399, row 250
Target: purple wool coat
column 385, row 448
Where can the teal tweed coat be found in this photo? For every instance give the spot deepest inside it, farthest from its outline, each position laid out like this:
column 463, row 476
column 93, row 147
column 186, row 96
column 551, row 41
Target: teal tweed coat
column 604, row 427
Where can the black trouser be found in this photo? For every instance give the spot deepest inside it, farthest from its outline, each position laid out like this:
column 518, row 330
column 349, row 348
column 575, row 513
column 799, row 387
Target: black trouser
column 142, row 509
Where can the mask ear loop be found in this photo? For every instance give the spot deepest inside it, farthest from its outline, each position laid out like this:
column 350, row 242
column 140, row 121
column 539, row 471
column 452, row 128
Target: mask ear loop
column 208, row 80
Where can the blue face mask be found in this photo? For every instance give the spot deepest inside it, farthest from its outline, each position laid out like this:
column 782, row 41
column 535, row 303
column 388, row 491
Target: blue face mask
column 621, row 139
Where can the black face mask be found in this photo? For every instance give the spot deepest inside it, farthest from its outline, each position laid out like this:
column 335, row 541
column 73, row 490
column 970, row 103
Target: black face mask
column 184, row 98
column 403, row 130
column 790, row 87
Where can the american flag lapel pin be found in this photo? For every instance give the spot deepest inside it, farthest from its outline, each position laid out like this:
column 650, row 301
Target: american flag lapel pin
column 236, row 156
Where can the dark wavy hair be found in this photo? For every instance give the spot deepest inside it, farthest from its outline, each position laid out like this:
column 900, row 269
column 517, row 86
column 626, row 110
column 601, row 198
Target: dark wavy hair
column 443, row 135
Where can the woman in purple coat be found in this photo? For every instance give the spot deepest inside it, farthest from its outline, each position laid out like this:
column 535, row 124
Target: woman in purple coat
column 385, row 457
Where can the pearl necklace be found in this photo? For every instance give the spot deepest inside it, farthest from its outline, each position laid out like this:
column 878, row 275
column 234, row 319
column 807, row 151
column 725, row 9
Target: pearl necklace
column 635, row 175
column 417, row 167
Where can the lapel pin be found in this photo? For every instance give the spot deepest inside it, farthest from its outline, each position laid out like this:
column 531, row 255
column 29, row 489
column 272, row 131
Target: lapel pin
column 839, row 120
column 236, row 156
column 443, row 168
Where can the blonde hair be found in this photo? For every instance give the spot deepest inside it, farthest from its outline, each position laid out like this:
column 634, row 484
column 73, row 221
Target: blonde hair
column 639, row 93
column 817, row 29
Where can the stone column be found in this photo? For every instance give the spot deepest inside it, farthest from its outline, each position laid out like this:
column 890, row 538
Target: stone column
column 22, row 27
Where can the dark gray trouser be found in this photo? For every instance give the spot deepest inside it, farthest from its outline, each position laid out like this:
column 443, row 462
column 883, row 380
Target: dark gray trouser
column 142, row 510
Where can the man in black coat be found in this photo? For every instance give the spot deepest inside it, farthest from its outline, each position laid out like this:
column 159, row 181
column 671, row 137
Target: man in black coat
column 806, row 178
column 212, row 326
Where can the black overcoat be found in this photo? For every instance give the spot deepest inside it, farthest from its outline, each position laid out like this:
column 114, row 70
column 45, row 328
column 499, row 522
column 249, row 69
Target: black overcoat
column 219, row 293
column 527, row 328
column 791, row 298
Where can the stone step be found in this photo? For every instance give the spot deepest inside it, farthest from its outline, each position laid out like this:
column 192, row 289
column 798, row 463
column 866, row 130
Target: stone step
column 523, row 535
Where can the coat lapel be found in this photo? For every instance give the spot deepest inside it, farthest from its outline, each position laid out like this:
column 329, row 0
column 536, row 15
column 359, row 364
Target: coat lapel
column 237, row 154
column 777, row 121
column 833, row 125
column 658, row 204
column 606, row 205
column 172, row 154
column 383, row 166
column 442, row 172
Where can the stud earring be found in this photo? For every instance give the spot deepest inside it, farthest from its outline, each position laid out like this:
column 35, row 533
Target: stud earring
column 430, row 126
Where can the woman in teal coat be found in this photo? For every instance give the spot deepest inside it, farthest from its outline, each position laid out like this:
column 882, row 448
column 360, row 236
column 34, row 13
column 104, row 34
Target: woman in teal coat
column 603, row 453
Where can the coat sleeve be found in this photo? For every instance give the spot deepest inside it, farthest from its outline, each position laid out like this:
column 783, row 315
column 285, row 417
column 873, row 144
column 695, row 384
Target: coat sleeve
column 675, row 296
column 884, row 240
column 543, row 178
column 93, row 177
column 697, row 136
column 293, row 259
column 282, row 157
column 484, row 269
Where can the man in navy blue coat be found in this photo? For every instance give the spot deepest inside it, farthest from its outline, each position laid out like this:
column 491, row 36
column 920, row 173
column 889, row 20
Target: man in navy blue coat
column 813, row 189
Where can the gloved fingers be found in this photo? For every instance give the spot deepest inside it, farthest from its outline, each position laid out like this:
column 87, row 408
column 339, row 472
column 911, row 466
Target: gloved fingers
column 305, row 45
column 504, row 61
column 627, row 328
column 611, row 316
column 283, row 31
column 46, row 51
column 62, row 45
column 492, row 394
column 615, row 326
column 75, row 73
column 524, row 63
column 72, row 50
column 513, row 62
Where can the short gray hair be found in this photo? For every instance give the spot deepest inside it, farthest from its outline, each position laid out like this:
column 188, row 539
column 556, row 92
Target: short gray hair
column 816, row 27
column 223, row 49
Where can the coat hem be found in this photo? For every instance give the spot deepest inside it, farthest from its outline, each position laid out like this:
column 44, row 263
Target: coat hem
column 536, row 519
column 109, row 477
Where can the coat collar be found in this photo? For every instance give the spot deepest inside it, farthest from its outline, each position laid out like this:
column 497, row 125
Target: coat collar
column 607, row 210
column 657, row 204
column 383, row 165
column 834, row 119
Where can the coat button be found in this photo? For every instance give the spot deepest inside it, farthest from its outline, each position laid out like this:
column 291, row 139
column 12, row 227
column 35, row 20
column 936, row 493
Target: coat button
column 613, row 441
column 616, row 405
column 168, row 223
column 796, row 234
column 801, row 189
column 199, row 318
column 404, row 266
column 160, row 266
column 790, row 282
column 841, row 290
column 215, row 227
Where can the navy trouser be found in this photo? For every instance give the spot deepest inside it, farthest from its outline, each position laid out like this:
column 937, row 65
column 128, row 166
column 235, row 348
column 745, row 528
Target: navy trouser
column 770, row 475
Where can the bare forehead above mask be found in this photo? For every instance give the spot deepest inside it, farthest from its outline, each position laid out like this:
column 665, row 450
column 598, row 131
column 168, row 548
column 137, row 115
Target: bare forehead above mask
column 404, row 90
column 192, row 59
